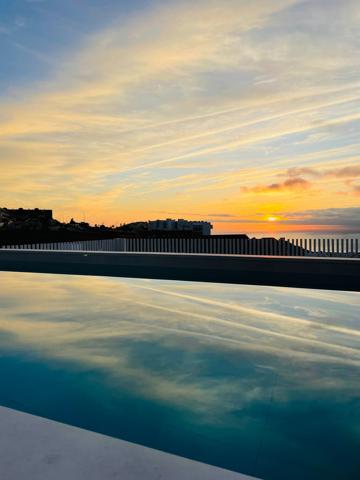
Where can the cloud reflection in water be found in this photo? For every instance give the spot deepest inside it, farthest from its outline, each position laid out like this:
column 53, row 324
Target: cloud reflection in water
column 237, row 376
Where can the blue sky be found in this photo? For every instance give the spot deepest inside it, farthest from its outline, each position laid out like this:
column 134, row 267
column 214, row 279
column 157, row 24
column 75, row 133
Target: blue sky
column 126, row 109
column 37, row 34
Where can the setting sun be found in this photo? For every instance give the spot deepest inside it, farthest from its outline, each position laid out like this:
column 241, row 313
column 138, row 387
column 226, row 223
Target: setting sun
column 272, row 219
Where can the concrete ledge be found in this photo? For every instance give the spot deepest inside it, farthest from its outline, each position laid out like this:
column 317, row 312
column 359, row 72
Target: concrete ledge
column 300, row 272
column 33, row 448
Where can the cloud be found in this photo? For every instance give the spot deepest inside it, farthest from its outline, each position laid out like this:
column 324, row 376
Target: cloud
column 351, row 171
column 295, row 183
column 225, row 88
column 20, row 22
column 296, row 171
column 347, row 218
column 196, row 214
column 296, row 180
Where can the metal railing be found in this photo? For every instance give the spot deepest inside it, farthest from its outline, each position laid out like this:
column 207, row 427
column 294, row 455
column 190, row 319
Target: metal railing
column 327, row 247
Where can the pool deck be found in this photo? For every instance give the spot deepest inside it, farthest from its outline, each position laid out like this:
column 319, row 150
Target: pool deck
column 34, row 448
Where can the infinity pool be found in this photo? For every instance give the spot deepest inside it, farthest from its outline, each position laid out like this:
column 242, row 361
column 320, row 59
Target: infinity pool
column 260, row 380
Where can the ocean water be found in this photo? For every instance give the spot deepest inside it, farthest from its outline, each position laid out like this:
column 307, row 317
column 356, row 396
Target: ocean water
column 300, row 235
column 260, row 380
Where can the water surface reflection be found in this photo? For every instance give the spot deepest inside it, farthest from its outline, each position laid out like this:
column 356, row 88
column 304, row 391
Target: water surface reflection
column 262, row 380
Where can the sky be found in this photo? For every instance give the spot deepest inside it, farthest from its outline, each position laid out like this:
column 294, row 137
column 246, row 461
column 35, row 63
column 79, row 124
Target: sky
column 244, row 113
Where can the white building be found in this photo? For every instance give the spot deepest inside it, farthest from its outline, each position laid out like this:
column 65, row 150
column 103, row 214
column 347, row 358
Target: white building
column 201, row 227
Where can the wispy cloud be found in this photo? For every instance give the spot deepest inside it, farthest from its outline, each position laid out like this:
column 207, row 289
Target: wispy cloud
column 295, row 183
column 187, row 318
column 351, row 171
column 219, row 89
column 20, row 22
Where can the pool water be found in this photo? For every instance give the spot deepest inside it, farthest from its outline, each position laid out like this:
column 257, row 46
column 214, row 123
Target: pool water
column 260, row 380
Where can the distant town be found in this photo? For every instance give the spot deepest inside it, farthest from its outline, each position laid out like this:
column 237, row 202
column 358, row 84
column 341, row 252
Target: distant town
column 38, row 225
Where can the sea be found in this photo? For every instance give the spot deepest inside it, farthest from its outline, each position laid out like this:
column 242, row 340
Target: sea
column 297, row 235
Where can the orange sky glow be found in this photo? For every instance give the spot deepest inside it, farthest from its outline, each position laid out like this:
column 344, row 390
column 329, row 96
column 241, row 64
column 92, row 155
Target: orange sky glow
column 228, row 111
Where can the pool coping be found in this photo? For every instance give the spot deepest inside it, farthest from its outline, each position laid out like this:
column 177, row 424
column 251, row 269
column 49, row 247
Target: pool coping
column 296, row 272
column 35, row 448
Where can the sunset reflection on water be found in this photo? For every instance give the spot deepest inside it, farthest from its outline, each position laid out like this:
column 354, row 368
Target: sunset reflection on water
column 261, row 380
